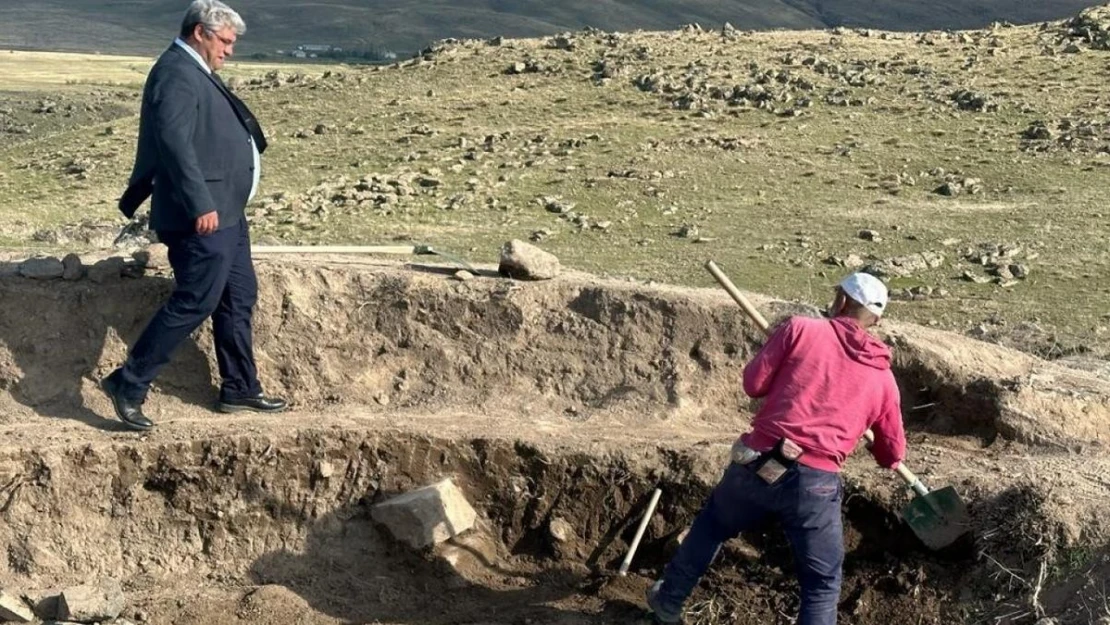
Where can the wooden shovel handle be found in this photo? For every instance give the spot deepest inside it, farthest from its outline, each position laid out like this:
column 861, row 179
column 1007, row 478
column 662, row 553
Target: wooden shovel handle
column 911, row 480
column 731, row 289
column 907, row 476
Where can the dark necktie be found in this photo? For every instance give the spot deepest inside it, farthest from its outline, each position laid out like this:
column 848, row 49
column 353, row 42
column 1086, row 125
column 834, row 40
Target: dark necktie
column 244, row 114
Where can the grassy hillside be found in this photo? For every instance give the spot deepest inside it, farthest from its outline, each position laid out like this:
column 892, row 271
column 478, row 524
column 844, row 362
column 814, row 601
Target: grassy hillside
column 143, row 26
column 969, row 168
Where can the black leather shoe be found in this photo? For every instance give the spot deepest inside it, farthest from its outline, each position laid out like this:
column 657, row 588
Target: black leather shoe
column 258, row 403
column 129, row 411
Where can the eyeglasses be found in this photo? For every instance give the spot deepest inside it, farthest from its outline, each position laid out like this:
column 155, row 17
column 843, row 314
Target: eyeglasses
column 224, row 40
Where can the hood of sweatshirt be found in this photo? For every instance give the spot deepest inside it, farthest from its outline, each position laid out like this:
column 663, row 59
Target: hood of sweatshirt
column 860, row 345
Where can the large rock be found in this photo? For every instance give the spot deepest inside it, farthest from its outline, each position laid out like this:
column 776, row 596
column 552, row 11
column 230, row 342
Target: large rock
column 107, row 270
column 91, row 604
column 426, row 516
column 14, row 610
column 72, row 269
column 42, row 268
column 522, row 261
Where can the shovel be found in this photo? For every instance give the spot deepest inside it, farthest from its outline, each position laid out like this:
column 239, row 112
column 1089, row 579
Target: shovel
column 939, row 517
column 415, row 250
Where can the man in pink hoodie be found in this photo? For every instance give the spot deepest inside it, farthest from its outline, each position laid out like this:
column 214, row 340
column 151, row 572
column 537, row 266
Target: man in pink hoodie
column 824, row 382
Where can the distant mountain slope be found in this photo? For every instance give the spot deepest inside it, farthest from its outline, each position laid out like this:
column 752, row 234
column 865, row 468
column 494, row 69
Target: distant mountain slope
column 144, row 26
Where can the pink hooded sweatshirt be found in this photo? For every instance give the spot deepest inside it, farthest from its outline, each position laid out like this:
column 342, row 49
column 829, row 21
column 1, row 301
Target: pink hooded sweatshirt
column 825, row 381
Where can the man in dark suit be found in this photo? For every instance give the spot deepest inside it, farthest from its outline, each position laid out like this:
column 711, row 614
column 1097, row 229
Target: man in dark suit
column 199, row 157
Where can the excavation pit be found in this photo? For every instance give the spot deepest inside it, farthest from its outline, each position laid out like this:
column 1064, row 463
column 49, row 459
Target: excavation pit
column 557, row 404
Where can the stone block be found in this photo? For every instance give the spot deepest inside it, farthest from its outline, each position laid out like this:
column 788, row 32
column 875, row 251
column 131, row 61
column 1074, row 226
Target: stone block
column 426, row 516
column 91, row 603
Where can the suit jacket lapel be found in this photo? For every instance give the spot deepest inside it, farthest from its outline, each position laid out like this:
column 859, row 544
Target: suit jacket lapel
column 241, row 111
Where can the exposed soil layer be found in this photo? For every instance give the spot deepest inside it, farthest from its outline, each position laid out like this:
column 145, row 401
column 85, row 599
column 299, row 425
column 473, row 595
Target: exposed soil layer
column 569, row 399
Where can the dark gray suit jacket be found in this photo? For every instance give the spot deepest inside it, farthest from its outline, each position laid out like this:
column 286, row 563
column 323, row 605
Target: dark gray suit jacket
column 194, row 152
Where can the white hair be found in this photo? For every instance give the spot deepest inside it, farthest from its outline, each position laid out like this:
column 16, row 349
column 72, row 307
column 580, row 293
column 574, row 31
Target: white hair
column 213, row 15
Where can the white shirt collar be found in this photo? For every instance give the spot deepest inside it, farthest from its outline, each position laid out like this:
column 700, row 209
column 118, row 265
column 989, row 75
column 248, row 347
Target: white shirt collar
column 193, row 53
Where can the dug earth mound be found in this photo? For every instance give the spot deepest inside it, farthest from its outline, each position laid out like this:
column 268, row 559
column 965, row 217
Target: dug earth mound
column 556, row 407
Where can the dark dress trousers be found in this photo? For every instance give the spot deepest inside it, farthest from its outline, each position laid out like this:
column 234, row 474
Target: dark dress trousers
column 194, row 156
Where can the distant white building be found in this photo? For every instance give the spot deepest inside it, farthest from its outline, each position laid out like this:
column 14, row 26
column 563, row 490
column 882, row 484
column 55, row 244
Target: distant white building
column 299, row 54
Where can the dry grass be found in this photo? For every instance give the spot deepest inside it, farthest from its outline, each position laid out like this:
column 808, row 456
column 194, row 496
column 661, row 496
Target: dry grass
column 54, row 71
column 771, row 196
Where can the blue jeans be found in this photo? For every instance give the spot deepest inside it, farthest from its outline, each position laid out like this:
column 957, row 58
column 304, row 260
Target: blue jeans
column 805, row 501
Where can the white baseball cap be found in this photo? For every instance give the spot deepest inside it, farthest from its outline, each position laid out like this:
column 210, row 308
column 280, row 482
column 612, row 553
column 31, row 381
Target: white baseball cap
column 867, row 290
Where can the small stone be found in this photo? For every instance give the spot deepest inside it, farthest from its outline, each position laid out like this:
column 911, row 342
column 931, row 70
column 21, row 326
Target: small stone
column 324, row 469
column 687, row 231
column 560, row 530
column 554, row 205
column 870, row 235
column 426, row 516
column 90, row 604
column 1003, row 272
column 463, row 275
column 562, row 42
column 970, row 277
column 382, row 399
column 72, row 269
column 106, row 270
column 522, row 261
column 155, row 256
column 921, row 292
column 321, row 129
column 1019, row 271
column 13, row 609
column 950, row 189
column 42, row 268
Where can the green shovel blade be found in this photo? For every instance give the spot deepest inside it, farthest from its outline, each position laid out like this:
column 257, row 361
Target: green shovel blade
column 939, row 518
